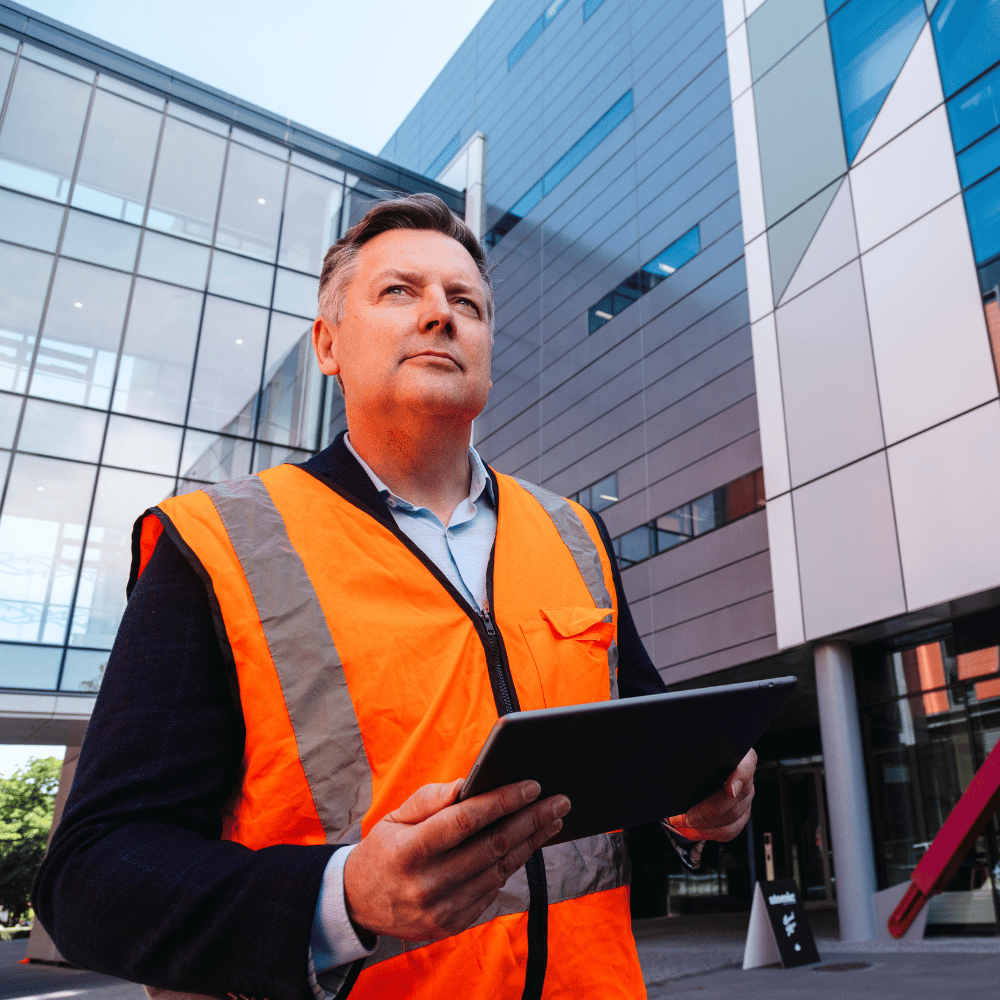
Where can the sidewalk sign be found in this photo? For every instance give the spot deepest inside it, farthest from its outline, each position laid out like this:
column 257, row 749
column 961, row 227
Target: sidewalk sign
column 779, row 930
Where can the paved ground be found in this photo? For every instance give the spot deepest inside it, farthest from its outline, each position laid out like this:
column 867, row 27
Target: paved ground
column 695, row 955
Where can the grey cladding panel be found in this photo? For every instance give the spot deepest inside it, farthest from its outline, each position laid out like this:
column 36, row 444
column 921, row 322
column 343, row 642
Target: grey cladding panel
column 778, row 25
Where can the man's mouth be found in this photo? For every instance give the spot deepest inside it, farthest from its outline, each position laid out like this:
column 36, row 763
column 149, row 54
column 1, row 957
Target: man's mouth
column 437, row 354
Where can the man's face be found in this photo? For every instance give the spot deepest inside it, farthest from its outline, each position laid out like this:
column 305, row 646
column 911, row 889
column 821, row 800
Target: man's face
column 414, row 339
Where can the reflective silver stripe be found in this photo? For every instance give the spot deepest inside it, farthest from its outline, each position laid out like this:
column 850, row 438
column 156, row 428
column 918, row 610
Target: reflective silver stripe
column 575, row 869
column 308, row 665
column 581, row 546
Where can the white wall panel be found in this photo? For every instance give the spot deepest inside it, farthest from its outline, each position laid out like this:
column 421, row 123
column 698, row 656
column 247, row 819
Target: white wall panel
column 917, row 91
column 904, row 180
column 770, row 409
column 932, row 356
column 946, row 487
column 828, row 377
column 748, row 166
column 758, row 265
column 732, row 13
column 784, row 572
column 738, row 52
column 848, row 556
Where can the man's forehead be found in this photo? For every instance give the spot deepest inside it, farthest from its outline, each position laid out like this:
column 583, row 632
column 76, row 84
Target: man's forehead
column 416, row 252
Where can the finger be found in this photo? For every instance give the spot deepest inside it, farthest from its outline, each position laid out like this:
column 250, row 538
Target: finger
column 742, row 775
column 721, row 826
column 425, row 802
column 457, row 823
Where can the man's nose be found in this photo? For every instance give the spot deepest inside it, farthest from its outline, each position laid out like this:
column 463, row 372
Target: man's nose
column 436, row 315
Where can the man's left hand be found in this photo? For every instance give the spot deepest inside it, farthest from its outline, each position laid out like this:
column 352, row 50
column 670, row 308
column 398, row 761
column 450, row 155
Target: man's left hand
column 723, row 814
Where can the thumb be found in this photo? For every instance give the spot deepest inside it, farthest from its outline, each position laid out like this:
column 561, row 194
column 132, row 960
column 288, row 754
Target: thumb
column 426, row 801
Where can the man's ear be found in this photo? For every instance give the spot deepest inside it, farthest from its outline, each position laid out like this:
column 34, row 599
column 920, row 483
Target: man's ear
column 324, row 337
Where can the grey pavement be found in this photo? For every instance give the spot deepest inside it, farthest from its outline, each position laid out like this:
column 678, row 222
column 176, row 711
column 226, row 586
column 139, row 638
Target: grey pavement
column 696, row 955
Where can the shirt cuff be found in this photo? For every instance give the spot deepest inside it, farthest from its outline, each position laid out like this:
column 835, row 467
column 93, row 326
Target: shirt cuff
column 334, row 942
column 689, row 851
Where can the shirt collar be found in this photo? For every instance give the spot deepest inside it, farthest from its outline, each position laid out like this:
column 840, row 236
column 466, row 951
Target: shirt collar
column 481, row 483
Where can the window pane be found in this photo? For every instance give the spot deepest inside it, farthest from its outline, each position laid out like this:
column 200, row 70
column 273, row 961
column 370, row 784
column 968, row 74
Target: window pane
column 527, row 40
column 186, row 189
column 635, row 544
column 228, row 367
column 61, row 431
column 267, row 456
column 154, row 375
column 24, row 280
column 295, row 293
column 979, row 160
column 6, row 65
column 357, row 201
column 604, row 493
column 120, row 498
column 47, row 58
column 239, row 278
column 10, row 411
column 83, row 670
column 101, row 241
column 197, row 118
column 975, row 111
column 41, row 535
column 982, row 202
column 289, row 406
column 142, row 445
column 676, row 255
column 870, row 40
column 133, row 93
column 312, row 217
column 708, row 512
column 29, row 221
column 29, row 666
column 76, row 359
column 744, row 495
column 41, row 131
column 174, row 260
column 251, row 204
column 317, row 166
column 257, row 142
column 117, row 158
column 967, row 37
column 213, row 458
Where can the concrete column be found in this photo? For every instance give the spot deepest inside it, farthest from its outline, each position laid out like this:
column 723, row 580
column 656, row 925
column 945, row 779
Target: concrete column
column 40, row 946
column 846, row 790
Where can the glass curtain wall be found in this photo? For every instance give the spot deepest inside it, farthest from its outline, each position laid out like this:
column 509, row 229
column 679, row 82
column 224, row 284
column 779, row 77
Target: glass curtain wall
column 158, row 275
column 930, row 714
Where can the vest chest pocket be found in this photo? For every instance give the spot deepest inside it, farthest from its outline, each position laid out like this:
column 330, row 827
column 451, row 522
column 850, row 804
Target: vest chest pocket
column 570, row 650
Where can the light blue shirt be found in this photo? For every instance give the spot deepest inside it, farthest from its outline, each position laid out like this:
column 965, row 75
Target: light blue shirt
column 461, row 551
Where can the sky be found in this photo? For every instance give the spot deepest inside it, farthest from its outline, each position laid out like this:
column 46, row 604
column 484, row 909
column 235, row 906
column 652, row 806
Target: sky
column 350, row 69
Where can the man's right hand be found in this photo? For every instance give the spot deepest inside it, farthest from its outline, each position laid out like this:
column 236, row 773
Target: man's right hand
column 430, row 868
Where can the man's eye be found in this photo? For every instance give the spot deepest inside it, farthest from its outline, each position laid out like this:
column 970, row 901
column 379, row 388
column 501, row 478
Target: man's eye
column 394, row 290
column 469, row 302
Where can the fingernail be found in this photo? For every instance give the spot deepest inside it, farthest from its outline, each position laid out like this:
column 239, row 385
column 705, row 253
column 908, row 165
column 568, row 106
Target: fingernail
column 561, row 806
column 555, row 827
column 530, row 790
column 737, row 787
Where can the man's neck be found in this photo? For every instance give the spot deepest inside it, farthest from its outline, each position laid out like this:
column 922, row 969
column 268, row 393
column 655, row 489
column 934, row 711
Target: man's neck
column 428, row 466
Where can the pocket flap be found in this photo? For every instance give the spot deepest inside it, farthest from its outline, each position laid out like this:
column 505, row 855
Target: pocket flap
column 573, row 622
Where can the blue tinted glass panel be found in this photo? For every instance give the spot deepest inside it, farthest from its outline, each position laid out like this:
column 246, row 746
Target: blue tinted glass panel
column 834, row 5
column 599, row 314
column 676, row 255
column 871, row 40
column 528, row 201
column 979, row 160
column 592, row 138
column 975, row 111
column 982, row 202
column 441, row 160
column 529, row 38
column 589, row 6
column 553, row 8
column 634, row 546
column 967, row 37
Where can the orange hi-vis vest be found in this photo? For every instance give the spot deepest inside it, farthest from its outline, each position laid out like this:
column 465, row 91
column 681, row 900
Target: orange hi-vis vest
column 363, row 675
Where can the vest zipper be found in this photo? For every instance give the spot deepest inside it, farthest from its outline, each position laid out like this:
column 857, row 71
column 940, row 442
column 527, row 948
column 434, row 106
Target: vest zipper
column 497, row 661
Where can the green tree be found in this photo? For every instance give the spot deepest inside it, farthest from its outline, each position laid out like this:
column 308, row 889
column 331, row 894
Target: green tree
column 27, row 804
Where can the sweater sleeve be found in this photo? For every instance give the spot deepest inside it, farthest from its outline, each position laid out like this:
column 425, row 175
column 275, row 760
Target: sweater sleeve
column 137, row 882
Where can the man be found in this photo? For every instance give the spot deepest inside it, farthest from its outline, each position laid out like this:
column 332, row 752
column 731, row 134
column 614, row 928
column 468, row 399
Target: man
column 312, row 658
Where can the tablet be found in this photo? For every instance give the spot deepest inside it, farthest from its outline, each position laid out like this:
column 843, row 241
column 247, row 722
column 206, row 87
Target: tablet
column 633, row 760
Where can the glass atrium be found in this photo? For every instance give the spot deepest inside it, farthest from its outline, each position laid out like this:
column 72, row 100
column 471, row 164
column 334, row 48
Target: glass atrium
column 158, row 276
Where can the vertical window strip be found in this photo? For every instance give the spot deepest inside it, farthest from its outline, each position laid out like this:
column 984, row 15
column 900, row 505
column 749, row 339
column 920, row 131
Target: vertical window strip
column 531, row 35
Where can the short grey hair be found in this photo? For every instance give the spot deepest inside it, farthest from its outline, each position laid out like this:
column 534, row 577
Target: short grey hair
column 417, row 211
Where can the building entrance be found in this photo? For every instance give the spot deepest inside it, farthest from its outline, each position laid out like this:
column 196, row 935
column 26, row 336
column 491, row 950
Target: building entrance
column 791, row 830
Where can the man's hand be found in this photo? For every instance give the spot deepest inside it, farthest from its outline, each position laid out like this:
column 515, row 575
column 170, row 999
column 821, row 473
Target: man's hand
column 430, row 868
column 723, row 814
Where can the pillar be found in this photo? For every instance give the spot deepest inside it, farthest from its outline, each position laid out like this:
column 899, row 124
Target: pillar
column 846, row 790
